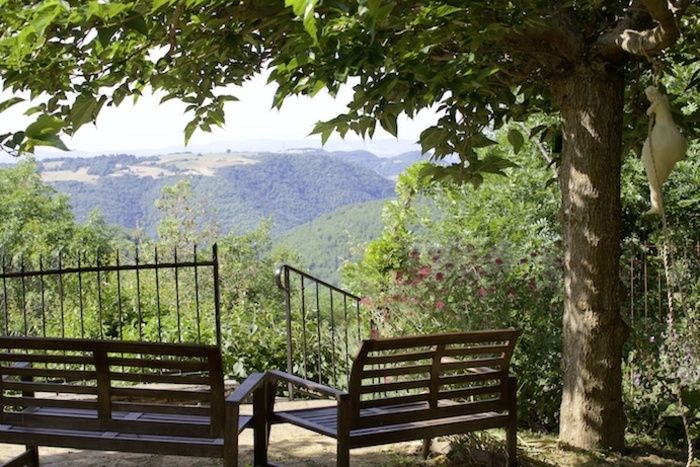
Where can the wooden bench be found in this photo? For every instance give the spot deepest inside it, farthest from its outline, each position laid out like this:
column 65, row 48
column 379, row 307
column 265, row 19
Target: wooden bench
column 411, row 388
column 79, row 393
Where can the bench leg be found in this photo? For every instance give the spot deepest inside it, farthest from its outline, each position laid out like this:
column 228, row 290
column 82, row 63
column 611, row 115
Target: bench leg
column 29, row 458
column 512, row 446
column 427, row 443
column 231, row 452
column 33, row 456
column 343, row 454
column 512, row 428
column 260, row 426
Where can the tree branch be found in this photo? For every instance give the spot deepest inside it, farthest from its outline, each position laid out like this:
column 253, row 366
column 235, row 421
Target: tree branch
column 543, row 151
column 555, row 37
column 634, row 35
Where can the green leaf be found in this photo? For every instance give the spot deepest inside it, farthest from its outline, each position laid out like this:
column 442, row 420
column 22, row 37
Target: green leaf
column 137, row 24
column 537, row 129
column 432, row 137
column 516, row 139
column 157, row 4
column 44, row 127
column 83, row 110
column 494, row 164
column 481, row 141
column 104, row 35
column 430, row 173
column 388, row 121
column 445, row 10
column 15, row 141
column 305, row 9
column 325, row 129
column 51, row 140
column 9, row 103
column 190, row 128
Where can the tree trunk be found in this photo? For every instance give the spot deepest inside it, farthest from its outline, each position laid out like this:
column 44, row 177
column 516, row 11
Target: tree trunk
column 592, row 415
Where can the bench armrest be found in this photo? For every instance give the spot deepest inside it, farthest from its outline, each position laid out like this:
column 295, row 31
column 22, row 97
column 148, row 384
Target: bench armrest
column 277, row 375
column 246, row 388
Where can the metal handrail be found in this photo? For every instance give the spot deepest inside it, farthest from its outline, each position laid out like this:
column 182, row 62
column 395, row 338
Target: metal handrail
column 334, row 325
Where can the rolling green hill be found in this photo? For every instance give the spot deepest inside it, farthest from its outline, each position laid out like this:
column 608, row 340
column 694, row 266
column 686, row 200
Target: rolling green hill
column 325, row 242
column 239, row 189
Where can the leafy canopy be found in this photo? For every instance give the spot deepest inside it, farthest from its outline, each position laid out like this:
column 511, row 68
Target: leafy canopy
column 479, row 63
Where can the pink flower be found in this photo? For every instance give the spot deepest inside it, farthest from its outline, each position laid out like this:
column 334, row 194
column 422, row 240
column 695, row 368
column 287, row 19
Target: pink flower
column 424, row 271
column 439, row 304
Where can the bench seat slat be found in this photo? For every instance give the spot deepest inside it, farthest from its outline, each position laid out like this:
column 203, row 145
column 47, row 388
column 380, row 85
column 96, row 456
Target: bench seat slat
column 46, row 402
column 161, row 394
column 475, row 350
column 49, row 373
column 184, row 365
column 126, row 442
column 384, row 401
column 477, row 374
column 397, row 386
column 396, row 370
column 496, row 335
column 425, row 396
column 324, row 421
column 426, row 429
column 48, row 387
column 158, row 378
column 116, row 346
column 45, row 358
column 161, row 408
column 474, row 363
column 421, row 412
column 131, row 422
column 398, row 357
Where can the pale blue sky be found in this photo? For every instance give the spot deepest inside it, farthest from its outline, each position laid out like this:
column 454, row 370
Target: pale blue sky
column 148, row 127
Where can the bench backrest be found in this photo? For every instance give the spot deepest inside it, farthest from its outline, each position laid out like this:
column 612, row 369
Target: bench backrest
column 433, row 376
column 94, row 380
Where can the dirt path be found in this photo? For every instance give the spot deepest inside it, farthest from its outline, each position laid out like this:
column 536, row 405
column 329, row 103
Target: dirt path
column 289, row 446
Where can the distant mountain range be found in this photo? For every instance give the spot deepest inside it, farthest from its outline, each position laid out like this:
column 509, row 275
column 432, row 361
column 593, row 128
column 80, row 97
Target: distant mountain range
column 239, row 188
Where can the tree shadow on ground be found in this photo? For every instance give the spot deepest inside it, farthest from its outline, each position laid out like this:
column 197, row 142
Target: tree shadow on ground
column 286, row 453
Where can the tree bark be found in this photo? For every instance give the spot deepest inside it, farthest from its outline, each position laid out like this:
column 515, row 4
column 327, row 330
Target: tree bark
column 591, row 103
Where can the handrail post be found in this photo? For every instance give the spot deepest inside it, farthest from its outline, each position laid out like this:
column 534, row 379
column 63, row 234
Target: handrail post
column 286, row 289
column 217, row 292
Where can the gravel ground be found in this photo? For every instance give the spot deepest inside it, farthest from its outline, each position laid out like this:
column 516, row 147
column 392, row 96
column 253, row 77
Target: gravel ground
column 289, row 446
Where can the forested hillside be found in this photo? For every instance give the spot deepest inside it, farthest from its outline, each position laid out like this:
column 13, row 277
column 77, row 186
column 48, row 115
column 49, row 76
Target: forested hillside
column 387, row 167
column 325, row 242
column 238, row 189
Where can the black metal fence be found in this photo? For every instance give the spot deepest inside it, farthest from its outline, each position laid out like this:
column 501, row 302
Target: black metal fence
column 142, row 295
column 325, row 325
